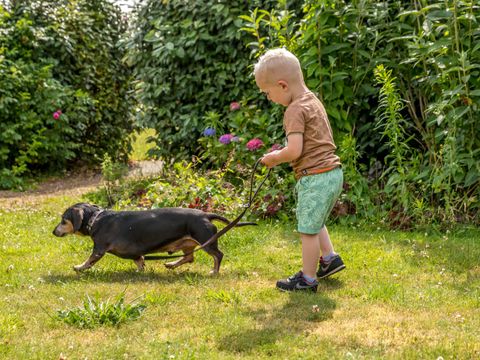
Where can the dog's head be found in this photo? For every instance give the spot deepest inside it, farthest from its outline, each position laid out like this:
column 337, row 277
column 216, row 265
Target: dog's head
column 74, row 219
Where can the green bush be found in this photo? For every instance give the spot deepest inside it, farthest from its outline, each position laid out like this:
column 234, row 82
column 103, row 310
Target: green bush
column 64, row 89
column 189, row 59
column 418, row 130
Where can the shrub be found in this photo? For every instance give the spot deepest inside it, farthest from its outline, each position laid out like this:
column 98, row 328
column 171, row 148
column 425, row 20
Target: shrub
column 186, row 185
column 64, row 89
column 188, row 59
column 432, row 52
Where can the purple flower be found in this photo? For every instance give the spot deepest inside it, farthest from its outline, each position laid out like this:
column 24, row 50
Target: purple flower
column 234, row 106
column 254, row 144
column 275, row 147
column 226, row 139
column 209, row 131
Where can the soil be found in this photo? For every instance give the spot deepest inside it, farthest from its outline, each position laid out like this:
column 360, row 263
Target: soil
column 72, row 184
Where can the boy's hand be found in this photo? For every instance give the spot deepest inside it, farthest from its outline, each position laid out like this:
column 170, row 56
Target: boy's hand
column 270, row 160
column 289, row 153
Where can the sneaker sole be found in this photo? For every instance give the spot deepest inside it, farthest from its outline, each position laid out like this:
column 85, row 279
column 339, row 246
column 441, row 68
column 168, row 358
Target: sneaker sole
column 340, row 268
column 312, row 289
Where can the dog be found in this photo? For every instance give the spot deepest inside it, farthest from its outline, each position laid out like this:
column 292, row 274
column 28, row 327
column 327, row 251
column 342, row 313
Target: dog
column 134, row 234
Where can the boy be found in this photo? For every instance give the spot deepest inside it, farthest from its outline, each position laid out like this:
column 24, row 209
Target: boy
column 311, row 152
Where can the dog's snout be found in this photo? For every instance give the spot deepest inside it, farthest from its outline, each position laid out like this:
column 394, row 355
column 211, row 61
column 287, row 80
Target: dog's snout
column 60, row 231
column 65, row 227
column 56, row 232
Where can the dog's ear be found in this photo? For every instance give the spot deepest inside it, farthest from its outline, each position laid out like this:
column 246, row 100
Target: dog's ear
column 77, row 217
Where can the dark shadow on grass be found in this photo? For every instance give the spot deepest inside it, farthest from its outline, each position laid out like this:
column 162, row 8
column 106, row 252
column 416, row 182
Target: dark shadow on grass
column 125, row 276
column 330, row 284
column 303, row 311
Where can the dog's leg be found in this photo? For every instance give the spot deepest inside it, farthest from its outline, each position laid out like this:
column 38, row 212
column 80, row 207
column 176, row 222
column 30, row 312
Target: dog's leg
column 212, row 249
column 140, row 262
column 96, row 255
column 203, row 234
column 188, row 258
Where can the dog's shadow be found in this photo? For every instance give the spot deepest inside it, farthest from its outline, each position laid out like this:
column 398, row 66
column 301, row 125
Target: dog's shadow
column 125, row 276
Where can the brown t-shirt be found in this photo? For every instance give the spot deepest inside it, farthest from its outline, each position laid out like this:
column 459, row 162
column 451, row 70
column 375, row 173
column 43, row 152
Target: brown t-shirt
column 307, row 115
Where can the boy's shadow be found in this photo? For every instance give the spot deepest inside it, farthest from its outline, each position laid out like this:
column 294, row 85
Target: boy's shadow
column 302, row 311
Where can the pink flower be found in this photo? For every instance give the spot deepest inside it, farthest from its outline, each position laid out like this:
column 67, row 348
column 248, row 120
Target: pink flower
column 234, row 106
column 254, row 144
column 226, row 139
column 56, row 115
column 275, row 147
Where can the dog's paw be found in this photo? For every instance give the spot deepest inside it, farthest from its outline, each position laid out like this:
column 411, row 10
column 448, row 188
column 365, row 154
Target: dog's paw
column 78, row 268
column 170, row 265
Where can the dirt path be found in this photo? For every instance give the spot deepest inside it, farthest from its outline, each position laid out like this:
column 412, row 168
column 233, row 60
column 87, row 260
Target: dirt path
column 73, row 184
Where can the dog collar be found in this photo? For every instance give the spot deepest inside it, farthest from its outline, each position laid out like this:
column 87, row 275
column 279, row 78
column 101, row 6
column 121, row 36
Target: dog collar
column 92, row 220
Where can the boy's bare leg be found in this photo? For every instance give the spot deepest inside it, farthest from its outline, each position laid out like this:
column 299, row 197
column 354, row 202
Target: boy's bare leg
column 310, row 254
column 326, row 246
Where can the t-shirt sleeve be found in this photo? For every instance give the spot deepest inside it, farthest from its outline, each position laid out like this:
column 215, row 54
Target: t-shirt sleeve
column 293, row 121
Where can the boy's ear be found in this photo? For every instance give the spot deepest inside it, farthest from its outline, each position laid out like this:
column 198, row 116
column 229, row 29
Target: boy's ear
column 283, row 84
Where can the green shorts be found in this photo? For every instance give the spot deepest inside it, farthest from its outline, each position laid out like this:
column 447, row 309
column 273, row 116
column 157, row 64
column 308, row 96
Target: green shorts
column 316, row 196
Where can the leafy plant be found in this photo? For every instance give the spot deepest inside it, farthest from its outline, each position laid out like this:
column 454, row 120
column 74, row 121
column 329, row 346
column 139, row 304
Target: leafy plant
column 226, row 297
column 356, row 198
column 270, row 29
column 96, row 313
column 221, row 191
column 112, row 173
column 399, row 170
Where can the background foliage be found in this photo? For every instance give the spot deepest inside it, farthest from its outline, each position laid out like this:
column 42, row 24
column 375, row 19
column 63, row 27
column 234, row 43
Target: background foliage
column 61, row 56
column 399, row 80
column 189, row 59
column 399, row 83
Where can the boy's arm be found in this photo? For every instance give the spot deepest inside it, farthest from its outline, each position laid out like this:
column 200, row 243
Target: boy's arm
column 292, row 151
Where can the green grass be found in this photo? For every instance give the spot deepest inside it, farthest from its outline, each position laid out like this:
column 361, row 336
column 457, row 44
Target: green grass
column 402, row 296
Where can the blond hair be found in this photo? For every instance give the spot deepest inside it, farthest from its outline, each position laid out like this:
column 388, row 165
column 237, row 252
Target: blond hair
column 278, row 64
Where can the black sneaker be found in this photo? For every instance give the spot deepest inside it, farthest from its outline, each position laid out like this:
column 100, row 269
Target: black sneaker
column 326, row 269
column 297, row 283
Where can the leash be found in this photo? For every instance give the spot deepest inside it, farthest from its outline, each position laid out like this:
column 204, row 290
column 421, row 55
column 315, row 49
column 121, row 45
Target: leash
column 248, row 205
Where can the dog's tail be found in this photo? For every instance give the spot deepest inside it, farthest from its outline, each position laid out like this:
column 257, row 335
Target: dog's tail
column 212, row 216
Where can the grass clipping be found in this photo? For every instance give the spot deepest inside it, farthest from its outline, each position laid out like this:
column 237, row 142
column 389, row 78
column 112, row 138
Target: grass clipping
column 96, row 313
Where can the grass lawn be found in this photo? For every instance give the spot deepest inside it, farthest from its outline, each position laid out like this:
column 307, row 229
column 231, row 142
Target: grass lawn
column 402, row 296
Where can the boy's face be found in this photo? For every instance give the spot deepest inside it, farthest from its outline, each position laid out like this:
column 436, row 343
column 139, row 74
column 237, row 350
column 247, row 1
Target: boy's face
column 277, row 92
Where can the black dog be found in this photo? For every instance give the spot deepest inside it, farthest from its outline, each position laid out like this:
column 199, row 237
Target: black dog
column 133, row 234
